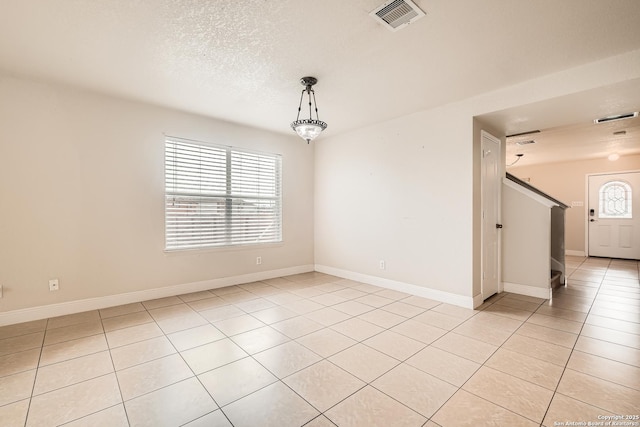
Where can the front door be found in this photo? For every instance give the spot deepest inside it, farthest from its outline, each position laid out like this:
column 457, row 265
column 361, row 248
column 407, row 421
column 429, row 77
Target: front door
column 614, row 215
column 490, row 183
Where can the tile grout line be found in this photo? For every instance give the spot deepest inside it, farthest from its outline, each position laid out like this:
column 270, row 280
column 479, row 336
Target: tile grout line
column 248, row 356
column 115, row 372
column 325, row 327
column 90, row 379
column 197, row 378
column 483, row 365
column 555, row 391
column 428, row 345
column 298, row 315
column 35, row 376
column 278, row 379
column 326, row 358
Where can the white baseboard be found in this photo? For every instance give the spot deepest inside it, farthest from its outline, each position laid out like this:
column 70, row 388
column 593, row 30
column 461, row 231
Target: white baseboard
column 531, row 291
column 78, row 306
column 575, row 253
column 434, row 294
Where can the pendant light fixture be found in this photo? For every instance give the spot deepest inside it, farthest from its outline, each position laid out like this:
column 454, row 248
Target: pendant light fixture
column 310, row 128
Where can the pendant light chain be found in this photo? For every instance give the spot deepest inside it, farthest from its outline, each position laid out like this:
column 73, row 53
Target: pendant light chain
column 300, row 105
column 316, row 104
column 309, row 90
column 308, row 129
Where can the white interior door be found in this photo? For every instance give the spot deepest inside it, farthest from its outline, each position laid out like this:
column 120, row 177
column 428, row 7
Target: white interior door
column 490, row 183
column 614, row 215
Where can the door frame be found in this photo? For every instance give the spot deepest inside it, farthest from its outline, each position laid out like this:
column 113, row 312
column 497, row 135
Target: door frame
column 484, row 134
column 586, row 202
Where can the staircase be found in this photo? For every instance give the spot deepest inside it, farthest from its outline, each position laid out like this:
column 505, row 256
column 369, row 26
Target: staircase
column 555, row 281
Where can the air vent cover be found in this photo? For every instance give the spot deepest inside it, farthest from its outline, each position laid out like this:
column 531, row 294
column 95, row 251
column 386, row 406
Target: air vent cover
column 397, row 14
column 527, row 142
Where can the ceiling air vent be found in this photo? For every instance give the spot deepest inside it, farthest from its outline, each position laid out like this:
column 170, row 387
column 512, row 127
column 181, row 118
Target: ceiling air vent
column 618, row 117
column 530, row 141
column 397, row 14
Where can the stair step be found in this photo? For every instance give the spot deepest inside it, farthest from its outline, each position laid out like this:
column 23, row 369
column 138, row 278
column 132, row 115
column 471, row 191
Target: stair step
column 555, row 279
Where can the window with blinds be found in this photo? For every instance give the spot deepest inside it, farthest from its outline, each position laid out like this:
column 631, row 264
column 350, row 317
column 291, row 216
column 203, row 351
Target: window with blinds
column 220, row 196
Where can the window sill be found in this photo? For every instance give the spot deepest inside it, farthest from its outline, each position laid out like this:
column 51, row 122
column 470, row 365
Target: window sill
column 230, row 248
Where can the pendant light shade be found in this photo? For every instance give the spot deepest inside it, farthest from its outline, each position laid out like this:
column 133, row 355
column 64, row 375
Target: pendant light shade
column 308, row 129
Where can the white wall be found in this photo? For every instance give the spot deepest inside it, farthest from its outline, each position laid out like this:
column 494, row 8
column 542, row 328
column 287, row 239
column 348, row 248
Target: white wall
column 526, row 240
column 400, row 192
column 81, row 196
column 406, row 190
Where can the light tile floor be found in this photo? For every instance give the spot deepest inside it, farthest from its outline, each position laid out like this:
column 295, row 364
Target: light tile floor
column 317, row 350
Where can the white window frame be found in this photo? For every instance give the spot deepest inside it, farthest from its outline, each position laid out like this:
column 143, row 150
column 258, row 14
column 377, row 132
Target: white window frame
column 220, row 196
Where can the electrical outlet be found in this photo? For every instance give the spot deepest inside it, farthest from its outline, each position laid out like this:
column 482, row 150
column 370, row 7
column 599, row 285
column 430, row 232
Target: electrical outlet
column 258, row 260
column 382, row 264
column 54, row 285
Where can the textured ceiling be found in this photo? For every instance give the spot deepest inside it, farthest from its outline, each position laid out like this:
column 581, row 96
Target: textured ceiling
column 241, row 60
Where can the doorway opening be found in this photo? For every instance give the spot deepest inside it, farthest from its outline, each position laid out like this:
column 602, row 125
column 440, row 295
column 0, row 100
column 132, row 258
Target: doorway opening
column 613, row 215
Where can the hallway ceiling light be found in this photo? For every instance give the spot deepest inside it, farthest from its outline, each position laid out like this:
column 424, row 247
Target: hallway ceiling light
column 613, row 157
column 518, row 157
column 308, row 129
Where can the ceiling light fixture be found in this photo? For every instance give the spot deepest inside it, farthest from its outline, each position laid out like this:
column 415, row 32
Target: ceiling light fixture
column 518, row 157
column 310, row 128
column 613, row 157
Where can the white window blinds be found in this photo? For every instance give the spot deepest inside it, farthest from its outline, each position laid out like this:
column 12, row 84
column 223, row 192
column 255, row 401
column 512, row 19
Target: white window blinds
column 220, row 196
